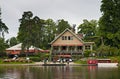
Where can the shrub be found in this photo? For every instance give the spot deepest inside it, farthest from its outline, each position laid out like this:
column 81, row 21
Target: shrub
column 115, row 59
column 3, row 54
column 36, row 59
column 87, row 53
column 81, row 62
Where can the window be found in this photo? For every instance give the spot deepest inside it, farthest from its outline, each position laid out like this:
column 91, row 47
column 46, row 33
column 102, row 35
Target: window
column 63, row 38
column 87, row 47
column 55, row 47
column 79, row 47
column 68, row 37
column 71, row 37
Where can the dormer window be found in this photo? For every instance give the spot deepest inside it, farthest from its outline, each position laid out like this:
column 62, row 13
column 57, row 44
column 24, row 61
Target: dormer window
column 63, row 38
column 67, row 37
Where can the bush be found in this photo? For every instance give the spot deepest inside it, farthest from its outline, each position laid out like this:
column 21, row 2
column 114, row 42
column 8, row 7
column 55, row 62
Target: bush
column 36, row 59
column 0, row 60
column 87, row 53
column 116, row 58
column 3, row 54
column 76, row 57
column 81, row 62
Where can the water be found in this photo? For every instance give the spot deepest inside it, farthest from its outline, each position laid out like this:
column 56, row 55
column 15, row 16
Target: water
column 58, row 72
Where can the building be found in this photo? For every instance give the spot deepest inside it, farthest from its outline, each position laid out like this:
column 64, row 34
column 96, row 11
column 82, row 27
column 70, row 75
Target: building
column 17, row 49
column 68, row 44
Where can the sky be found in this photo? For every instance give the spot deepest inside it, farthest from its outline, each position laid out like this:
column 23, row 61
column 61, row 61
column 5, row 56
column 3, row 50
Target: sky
column 73, row 11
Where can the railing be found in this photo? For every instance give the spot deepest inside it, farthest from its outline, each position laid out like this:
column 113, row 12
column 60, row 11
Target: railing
column 67, row 51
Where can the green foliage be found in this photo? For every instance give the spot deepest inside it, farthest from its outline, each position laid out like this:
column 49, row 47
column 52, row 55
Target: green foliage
column 81, row 62
column 115, row 59
column 103, row 50
column 76, row 57
column 87, row 53
column 0, row 60
column 88, row 29
column 31, row 31
column 2, row 45
column 34, row 31
column 35, row 59
column 12, row 41
column 49, row 32
column 110, row 22
column 26, row 30
column 62, row 25
column 108, row 51
column 3, row 27
column 39, row 57
column 38, row 32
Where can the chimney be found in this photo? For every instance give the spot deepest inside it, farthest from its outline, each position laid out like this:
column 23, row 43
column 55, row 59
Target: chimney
column 73, row 28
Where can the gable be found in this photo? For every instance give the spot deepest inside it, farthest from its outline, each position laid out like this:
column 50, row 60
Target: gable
column 67, row 38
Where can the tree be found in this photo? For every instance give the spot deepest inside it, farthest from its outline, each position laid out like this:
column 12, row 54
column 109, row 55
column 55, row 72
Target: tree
column 25, row 29
column 3, row 27
column 88, row 28
column 103, row 50
column 12, row 41
column 39, row 31
column 31, row 30
column 62, row 25
column 2, row 45
column 50, row 31
column 110, row 22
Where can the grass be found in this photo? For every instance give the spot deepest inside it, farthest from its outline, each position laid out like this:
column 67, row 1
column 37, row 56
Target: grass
column 80, row 62
column 0, row 60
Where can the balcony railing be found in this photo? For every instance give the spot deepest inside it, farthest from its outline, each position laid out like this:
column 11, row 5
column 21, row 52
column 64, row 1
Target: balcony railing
column 67, row 51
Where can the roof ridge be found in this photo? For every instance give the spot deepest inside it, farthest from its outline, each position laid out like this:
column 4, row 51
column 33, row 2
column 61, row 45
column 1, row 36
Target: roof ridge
column 64, row 32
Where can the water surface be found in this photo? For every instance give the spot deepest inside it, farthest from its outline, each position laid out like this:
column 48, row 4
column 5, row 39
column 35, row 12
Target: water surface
column 58, row 72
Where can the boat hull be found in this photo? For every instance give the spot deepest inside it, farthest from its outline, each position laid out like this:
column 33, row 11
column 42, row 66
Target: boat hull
column 107, row 64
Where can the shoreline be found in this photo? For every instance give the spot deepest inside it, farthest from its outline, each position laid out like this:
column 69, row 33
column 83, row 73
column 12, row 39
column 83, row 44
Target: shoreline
column 48, row 64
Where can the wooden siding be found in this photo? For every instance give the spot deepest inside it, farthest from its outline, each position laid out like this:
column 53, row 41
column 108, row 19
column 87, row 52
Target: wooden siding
column 74, row 42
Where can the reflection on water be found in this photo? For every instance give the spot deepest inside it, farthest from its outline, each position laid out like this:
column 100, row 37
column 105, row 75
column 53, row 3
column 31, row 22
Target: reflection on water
column 58, row 72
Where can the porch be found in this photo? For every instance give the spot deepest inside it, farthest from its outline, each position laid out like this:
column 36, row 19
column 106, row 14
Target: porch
column 67, row 49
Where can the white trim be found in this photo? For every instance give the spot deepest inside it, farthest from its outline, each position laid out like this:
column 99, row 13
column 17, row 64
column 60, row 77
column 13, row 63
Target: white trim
column 63, row 33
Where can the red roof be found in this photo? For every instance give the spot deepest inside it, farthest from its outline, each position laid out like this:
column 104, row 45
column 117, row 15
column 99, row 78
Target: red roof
column 15, row 52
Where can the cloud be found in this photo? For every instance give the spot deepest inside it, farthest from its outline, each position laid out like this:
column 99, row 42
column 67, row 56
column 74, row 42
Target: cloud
column 74, row 11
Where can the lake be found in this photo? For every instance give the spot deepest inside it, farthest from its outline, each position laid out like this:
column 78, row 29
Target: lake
column 58, row 72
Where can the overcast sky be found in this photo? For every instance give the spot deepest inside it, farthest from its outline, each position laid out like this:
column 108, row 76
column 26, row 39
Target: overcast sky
column 73, row 11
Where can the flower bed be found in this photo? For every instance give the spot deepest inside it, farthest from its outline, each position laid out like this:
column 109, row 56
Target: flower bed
column 15, row 61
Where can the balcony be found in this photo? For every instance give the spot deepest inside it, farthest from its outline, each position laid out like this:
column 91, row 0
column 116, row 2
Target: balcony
column 67, row 52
